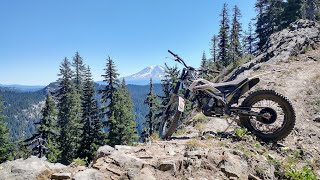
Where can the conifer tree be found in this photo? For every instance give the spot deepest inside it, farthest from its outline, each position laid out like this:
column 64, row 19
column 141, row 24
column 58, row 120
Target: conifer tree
column 269, row 19
column 168, row 83
column 44, row 140
column 213, row 49
column 311, row 10
column 235, row 45
column 121, row 123
column 92, row 136
column 111, row 79
column 153, row 105
column 292, row 12
column 69, row 107
column 4, row 139
column 224, row 44
column 204, row 65
column 79, row 71
column 248, row 40
column 262, row 19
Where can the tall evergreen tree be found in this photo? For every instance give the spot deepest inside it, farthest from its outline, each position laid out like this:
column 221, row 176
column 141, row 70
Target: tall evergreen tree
column 121, row 124
column 91, row 137
column 224, row 44
column 204, row 62
column 311, row 10
column 44, row 140
column 249, row 39
column 214, row 49
column 4, row 139
column 292, row 12
column 111, row 78
column 69, row 107
column 153, row 105
column 79, row 71
column 235, row 45
column 268, row 19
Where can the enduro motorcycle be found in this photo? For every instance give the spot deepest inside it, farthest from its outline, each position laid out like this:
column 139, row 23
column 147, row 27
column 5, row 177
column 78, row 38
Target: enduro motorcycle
column 266, row 113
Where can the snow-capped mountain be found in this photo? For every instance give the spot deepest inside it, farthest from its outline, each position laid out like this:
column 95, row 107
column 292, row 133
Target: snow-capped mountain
column 143, row 77
column 154, row 72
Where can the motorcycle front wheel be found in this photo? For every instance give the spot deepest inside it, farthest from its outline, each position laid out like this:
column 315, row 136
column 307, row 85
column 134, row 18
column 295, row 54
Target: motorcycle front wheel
column 169, row 122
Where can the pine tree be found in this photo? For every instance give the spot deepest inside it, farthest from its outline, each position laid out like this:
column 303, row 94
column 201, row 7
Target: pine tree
column 121, row 124
column 92, row 136
column 168, row 83
column 79, row 71
column 261, row 22
column 153, row 105
column 268, row 19
column 311, row 10
column 248, row 40
column 214, row 49
column 224, row 44
column 204, row 62
column 5, row 145
column 111, row 78
column 69, row 107
column 43, row 140
column 235, row 45
column 292, row 12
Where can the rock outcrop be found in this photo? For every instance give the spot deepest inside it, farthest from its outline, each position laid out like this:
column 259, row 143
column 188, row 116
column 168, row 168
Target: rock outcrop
column 301, row 36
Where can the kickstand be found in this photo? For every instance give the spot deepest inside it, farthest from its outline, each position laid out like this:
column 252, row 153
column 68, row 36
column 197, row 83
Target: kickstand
column 230, row 123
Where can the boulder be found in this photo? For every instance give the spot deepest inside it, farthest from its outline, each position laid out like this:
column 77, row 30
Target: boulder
column 31, row 168
column 104, row 151
column 89, row 174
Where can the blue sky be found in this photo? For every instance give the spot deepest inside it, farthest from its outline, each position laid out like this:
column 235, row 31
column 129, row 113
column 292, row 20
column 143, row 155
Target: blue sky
column 36, row 35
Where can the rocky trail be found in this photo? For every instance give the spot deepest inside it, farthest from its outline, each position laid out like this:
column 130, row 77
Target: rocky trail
column 208, row 148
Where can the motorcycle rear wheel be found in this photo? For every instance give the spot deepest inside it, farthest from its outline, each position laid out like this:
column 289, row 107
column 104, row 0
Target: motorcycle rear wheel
column 283, row 105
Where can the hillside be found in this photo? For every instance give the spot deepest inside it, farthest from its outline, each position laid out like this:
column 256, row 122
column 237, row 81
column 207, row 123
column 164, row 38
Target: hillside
column 22, row 109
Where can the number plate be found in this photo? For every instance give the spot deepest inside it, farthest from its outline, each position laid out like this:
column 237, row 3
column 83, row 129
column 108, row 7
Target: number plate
column 181, row 104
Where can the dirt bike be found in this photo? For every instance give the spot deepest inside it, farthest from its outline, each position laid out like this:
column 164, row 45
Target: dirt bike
column 266, row 113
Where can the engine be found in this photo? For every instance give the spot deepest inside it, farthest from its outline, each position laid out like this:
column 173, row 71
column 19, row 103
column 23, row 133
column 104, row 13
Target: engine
column 211, row 106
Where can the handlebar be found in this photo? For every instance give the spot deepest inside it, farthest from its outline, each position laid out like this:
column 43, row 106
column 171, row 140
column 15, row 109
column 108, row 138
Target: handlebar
column 178, row 59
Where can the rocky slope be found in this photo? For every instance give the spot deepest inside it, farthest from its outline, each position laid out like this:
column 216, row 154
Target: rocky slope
column 215, row 148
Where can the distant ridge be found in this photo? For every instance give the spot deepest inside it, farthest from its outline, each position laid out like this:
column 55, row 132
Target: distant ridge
column 23, row 88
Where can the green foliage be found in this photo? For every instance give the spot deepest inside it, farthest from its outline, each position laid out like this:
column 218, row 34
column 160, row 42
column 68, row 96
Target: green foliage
column 19, row 112
column 241, row 132
column 92, row 136
column 235, row 45
column 305, row 173
column 5, row 145
column 111, row 78
column 168, row 83
column 153, row 105
column 119, row 110
column 80, row 162
column 45, row 135
column 79, row 71
column 69, row 116
column 224, row 44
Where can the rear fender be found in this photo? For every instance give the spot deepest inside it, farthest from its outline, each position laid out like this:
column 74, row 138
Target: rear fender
column 241, row 90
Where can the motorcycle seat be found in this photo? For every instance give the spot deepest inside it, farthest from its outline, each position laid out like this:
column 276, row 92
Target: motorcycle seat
column 226, row 87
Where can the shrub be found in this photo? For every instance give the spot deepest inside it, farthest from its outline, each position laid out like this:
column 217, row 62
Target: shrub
column 304, row 173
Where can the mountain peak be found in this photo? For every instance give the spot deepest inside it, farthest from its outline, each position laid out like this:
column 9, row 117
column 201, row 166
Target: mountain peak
column 156, row 72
